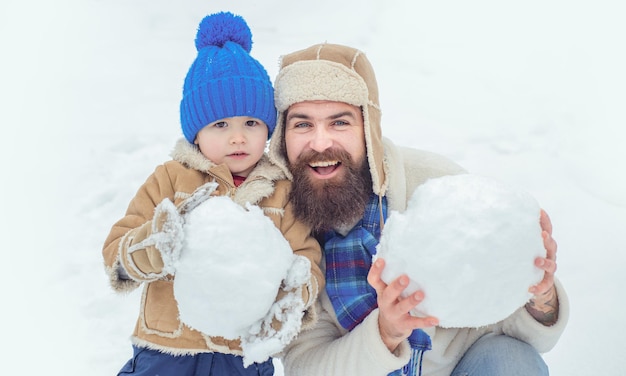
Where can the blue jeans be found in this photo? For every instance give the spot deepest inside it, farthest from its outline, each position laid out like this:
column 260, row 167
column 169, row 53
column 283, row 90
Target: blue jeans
column 154, row 363
column 500, row 355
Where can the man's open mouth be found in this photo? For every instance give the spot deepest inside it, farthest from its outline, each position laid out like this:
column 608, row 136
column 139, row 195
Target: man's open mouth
column 324, row 167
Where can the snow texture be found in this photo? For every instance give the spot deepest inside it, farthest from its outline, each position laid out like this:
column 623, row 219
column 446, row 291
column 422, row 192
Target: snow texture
column 469, row 243
column 233, row 263
column 231, row 267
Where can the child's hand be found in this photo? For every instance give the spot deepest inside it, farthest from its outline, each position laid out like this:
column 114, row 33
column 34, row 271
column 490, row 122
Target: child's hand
column 155, row 246
column 269, row 335
column 200, row 195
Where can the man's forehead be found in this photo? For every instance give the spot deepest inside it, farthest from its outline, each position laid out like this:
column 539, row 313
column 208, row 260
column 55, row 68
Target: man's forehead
column 322, row 109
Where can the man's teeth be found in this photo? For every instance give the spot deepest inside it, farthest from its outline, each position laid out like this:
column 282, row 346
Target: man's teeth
column 323, row 163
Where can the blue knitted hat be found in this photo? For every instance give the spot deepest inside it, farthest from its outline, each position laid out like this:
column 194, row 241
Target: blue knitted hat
column 224, row 80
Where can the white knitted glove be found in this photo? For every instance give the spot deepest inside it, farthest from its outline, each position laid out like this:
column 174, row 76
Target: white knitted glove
column 283, row 321
column 155, row 247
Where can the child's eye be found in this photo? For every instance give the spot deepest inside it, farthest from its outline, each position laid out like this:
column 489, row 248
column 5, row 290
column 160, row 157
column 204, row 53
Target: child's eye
column 252, row 123
column 220, row 124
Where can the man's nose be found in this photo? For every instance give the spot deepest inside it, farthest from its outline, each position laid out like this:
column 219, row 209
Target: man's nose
column 321, row 140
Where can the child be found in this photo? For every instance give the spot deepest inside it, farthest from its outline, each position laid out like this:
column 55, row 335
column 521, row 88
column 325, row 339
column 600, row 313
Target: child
column 227, row 114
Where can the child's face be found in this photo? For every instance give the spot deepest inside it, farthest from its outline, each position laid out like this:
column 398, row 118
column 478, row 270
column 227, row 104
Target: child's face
column 237, row 141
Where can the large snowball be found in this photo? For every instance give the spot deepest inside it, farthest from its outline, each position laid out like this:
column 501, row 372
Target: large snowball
column 231, row 266
column 469, row 243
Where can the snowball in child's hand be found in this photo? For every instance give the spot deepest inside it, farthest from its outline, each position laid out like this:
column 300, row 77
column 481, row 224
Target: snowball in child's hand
column 231, row 267
column 469, row 243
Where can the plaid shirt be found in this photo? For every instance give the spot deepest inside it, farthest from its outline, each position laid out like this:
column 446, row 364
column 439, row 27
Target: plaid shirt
column 348, row 261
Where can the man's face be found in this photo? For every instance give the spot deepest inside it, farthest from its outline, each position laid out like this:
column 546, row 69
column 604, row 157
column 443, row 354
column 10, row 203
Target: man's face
column 325, row 147
column 325, row 128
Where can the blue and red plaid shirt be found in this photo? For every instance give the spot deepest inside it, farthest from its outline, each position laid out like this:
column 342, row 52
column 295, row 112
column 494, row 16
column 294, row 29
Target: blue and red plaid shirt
column 348, row 261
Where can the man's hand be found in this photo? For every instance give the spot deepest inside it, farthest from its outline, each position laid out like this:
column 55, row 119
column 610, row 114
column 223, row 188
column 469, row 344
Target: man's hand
column 544, row 306
column 394, row 320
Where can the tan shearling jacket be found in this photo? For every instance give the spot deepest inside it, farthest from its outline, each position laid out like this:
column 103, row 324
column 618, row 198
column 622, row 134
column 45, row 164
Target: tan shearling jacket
column 158, row 326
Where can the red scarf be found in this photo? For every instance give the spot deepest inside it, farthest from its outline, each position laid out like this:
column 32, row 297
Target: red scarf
column 238, row 180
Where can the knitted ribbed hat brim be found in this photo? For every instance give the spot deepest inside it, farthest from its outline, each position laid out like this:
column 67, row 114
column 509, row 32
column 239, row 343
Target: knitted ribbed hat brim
column 214, row 100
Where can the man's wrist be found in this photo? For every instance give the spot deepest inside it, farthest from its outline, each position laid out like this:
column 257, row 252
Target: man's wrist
column 392, row 343
column 545, row 307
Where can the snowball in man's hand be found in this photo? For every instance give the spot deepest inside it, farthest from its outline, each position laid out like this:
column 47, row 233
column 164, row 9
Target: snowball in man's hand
column 469, row 243
column 231, row 267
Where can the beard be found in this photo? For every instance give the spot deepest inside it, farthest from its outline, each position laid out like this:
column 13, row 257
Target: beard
column 324, row 204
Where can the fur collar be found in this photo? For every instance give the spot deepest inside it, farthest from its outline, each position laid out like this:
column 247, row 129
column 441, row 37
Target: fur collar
column 258, row 185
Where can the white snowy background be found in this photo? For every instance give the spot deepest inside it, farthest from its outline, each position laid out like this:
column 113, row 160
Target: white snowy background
column 530, row 92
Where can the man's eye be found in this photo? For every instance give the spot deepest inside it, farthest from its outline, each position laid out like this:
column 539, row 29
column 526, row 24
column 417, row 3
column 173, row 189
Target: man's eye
column 301, row 125
column 341, row 122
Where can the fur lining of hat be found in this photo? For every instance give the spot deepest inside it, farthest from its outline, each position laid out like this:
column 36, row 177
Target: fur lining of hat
column 311, row 80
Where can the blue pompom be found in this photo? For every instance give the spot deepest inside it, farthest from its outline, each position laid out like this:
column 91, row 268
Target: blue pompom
column 219, row 28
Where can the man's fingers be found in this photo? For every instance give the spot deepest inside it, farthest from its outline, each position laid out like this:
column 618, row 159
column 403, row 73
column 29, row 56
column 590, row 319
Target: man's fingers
column 545, row 222
column 550, row 245
column 543, row 286
column 373, row 276
column 549, row 266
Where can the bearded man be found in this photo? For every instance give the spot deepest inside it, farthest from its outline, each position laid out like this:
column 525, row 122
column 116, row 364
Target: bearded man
column 347, row 178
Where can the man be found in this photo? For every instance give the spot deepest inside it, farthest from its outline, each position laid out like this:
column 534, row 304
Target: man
column 347, row 178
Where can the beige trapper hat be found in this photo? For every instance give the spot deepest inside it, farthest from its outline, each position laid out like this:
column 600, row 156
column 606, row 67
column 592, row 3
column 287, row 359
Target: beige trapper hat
column 334, row 73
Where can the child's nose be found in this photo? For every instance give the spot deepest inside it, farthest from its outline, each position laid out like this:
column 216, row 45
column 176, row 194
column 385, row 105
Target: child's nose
column 237, row 137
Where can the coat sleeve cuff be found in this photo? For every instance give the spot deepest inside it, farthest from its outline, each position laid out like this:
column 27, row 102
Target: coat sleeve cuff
column 523, row 326
column 377, row 349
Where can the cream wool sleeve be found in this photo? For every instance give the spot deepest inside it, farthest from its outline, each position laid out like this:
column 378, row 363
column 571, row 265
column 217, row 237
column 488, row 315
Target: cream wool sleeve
column 523, row 326
column 327, row 349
